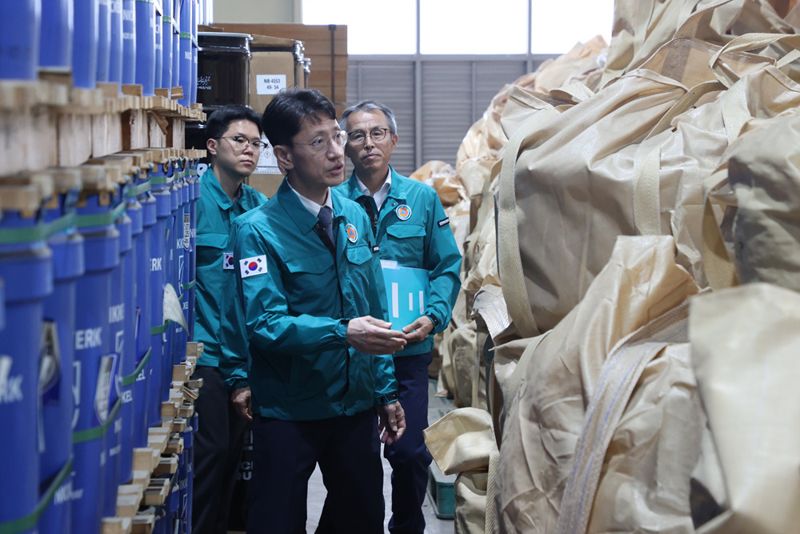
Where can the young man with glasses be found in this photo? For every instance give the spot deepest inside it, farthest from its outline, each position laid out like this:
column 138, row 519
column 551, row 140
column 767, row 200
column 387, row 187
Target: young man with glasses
column 311, row 304
column 412, row 230
column 234, row 145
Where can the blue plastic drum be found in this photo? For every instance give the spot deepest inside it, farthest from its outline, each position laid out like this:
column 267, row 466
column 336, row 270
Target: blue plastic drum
column 176, row 44
column 103, row 39
column 116, row 49
column 26, row 267
column 159, row 57
column 95, row 359
column 55, row 42
column 160, row 236
column 187, row 76
column 116, row 446
column 146, row 46
column 85, row 43
column 56, row 374
column 195, row 195
column 144, row 312
column 194, row 71
column 128, row 41
column 20, row 22
column 132, row 263
column 172, row 276
column 167, row 46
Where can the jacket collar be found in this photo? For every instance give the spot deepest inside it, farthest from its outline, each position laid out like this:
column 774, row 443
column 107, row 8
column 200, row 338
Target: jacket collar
column 297, row 212
column 215, row 190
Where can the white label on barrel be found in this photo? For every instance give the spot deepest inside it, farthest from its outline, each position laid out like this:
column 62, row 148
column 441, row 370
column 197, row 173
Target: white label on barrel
column 270, row 84
column 10, row 386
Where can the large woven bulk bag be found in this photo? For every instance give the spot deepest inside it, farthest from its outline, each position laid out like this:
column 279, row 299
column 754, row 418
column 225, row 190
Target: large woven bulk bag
column 745, row 345
column 642, row 26
column 579, row 189
column 640, row 283
column 641, row 438
column 567, row 196
column 764, row 171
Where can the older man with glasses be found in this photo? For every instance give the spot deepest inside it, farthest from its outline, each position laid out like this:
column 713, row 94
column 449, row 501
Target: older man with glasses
column 234, row 145
column 416, row 247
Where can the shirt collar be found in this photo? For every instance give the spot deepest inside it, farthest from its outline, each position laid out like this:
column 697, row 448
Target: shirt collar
column 312, row 207
column 387, row 184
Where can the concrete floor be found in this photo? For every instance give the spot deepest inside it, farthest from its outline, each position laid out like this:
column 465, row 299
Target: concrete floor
column 316, row 498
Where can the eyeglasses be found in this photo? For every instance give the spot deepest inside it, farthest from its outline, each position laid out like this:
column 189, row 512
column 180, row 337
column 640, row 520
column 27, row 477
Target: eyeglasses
column 240, row 142
column 359, row 137
column 320, row 143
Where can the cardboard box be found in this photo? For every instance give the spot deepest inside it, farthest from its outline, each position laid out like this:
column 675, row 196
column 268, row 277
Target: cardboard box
column 270, row 71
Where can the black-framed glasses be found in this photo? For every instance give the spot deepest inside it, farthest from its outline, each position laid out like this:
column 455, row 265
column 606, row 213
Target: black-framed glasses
column 320, row 142
column 359, row 137
column 240, row 142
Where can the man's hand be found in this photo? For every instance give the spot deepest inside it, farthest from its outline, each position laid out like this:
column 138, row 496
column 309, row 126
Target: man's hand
column 391, row 422
column 241, row 402
column 373, row 336
column 418, row 330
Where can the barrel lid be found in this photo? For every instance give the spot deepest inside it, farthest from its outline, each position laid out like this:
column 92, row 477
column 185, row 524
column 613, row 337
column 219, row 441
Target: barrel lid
column 25, row 192
column 225, row 34
column 66, row 179
column 96, row 179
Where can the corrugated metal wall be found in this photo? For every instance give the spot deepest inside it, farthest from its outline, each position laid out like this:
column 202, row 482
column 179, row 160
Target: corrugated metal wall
column 434, row 112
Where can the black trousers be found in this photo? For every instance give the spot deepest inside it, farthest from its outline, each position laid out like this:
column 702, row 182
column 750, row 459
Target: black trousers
column 285, row 454
column 217, row 449
column 409, row 457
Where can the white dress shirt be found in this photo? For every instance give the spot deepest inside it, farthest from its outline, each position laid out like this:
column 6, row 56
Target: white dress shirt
column 381, row 194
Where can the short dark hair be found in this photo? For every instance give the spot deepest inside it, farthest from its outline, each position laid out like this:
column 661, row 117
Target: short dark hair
column 221, row 118
column 371, row 105
column 284, row 114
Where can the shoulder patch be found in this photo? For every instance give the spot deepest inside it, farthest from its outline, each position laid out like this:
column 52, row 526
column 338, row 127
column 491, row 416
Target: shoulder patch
column 253, row 266
column 444, row 222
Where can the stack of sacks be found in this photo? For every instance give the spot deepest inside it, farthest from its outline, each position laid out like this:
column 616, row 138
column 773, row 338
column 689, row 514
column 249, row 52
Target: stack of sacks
column 620, row 197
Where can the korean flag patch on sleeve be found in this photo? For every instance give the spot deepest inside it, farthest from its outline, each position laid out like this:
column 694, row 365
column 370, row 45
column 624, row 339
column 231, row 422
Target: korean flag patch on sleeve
column 253, row 266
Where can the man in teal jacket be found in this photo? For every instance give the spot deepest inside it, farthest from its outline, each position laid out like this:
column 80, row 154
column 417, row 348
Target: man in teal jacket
column 412, row 230
column 234, row 145
column 311, row 302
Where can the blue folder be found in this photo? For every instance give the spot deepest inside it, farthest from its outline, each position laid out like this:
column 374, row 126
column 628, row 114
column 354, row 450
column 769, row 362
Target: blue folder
column 406, row 293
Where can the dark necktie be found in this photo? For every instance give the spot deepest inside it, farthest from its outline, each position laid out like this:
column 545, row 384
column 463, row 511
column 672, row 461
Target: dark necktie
column 325, row 225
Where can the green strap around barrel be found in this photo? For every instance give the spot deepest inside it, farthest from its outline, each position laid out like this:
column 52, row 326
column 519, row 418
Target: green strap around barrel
column 160, row 180
column 29, row 521
column 136, row 190
column 186, row 35
column 159, row 329
column 96, row 432
column 39, row 232
column 131, row 378
column 190, row 285
column 101, row 219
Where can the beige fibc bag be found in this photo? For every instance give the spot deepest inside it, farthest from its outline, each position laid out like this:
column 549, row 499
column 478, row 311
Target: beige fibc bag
column 566, row 188
column 764, row 171
column 641, row 437
column 642, row 26
column 745, row 345
column 640, row 283
column 463, row 443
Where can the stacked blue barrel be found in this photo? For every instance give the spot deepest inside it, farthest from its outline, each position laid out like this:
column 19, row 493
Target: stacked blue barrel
column 118, row 42
column 86, row 256
column 86, row 252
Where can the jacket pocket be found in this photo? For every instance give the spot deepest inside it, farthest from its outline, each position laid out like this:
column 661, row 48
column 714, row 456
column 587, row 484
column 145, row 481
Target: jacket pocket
column 210, row 250
column 405, row 243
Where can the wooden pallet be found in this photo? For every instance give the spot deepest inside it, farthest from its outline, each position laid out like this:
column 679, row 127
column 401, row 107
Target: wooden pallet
column 48, row 123
column 155, row 466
